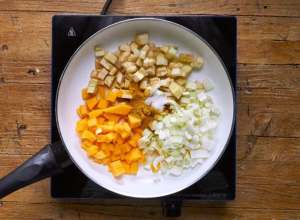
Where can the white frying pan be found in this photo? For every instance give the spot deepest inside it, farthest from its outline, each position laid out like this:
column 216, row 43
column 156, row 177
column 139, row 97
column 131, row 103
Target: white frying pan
column 51, row 159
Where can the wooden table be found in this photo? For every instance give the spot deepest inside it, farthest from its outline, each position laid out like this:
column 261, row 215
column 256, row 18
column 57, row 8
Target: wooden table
column 268, row 176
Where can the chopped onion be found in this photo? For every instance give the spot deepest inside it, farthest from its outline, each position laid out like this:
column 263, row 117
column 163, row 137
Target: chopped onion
column 183, row 138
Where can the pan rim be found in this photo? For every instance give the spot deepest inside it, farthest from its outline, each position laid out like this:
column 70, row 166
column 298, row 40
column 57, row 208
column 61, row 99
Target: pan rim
column 200, row 38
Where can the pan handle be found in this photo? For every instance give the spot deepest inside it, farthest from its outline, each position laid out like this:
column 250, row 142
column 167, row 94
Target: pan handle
column 49, row 161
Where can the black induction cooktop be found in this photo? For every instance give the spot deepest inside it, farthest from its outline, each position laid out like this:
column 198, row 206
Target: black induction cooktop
column 69, row 31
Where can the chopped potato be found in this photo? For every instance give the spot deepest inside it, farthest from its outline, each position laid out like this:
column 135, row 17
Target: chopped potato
column 142, row 39
column 144, row 51
column 161, row 60
column 161, row 71
column 109, row 80
column 119, row 78
column 124, row 55
column 111, row 58
column 138, row 75
column 99, row 52
column 129, row 67
column 176, row 89
column 148, row 62
column 197, row 62
column 102, row 74
column 125, row 47
column 186, row 58
column 106, row 64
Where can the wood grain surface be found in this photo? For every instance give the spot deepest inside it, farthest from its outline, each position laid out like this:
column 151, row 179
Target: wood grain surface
column 268, row 177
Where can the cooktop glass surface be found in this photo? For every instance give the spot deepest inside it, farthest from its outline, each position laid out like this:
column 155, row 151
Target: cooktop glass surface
column 69, row 31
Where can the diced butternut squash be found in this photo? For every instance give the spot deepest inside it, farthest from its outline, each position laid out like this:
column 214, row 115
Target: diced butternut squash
column 134, row 168
column 134, row 155
column 111, row 117
column 101, row 92
column 134, row 140
column 106, row 127
column 117, row 168
column 106, row 138
column 85, row 94
column 102, row 104
column 86, row 144
column 95, row 113
column 111, row 96
column 91, row 103
column 92, row 150
column 87, row 135
column 119, row 109
column 126, row 167
column 92, row 122
column 123, row 129
column 82, row 125
column 100, row 155
column 82, row 111
column 134, row 121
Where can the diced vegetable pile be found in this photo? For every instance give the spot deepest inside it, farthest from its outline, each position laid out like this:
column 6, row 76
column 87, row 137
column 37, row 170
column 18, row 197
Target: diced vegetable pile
column 139, row 110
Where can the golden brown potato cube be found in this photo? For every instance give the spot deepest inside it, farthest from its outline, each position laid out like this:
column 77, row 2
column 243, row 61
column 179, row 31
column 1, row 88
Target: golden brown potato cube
column 154, row 81
column 102, row 74
column 161, row 60
column 113, row 71
column 165, row 82
column 144, row 51
column 120, row 78
column 129, row 67
column 109, row 80
column 164, row 49
column 94, row 74
column 150, row 54
column 92, row 86
column 98, row 66
column 186, row 70
column 176, row 90
column 138, row 75
column 171, row 53
column 106, row 64
column 99, row 52
column 150, row 71
column 148, row 62
column 123, row 56
column 197, row 62
column 144, row 84
column 142, row 39
column 175, row 64
column 132, row 58
column 110, row 58
column 175, row 72
column 161, row 71
column 186, row 58
column 117, row 53
column 139, row 62
column 126, row 84
column 181, row 81
column 125, row 47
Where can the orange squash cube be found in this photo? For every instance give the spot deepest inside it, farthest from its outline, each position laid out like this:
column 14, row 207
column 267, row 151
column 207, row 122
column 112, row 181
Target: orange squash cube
column 87, row 135
column 134, row 121
column 100, row 155
column 119, row 109
column 91, row 103
column 117, row 168
column 134, row 155
column 102, row 104
column 95, row 113
column 84, row 94
column 92, row 122
column 81, row 125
